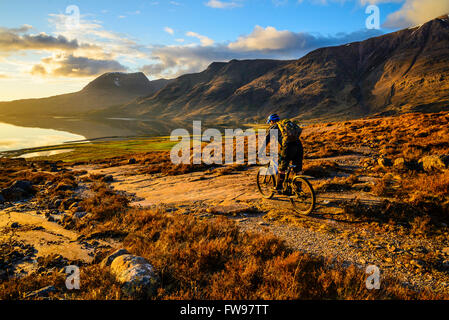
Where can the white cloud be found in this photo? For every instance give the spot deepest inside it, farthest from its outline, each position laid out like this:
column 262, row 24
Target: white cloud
column 172, row 61
column 169, row 30
column 205, row 41
column 415, row 12
column 217, row 4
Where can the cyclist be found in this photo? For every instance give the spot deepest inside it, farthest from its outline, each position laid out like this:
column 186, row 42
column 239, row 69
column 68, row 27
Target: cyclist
column 291, row 148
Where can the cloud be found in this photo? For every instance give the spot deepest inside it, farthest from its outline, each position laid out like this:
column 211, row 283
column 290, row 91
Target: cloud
column 217, row 4
column 17, row 39
column 416, row 12
column 103, row 43
column 205, row 41
column 271, row 40
column 169, row 30
column 71, row 66
column 264, row 43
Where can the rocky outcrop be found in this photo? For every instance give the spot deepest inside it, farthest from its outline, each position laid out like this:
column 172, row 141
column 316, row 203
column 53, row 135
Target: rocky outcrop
column 18, row 190
column 395, row 73
column 135, row 273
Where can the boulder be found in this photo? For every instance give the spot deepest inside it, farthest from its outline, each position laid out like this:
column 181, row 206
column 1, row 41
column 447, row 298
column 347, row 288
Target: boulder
column 132, row 161
column 433, row 163
column 13, row 194
column 108, row 260
column 24, row 185
column 136, row 275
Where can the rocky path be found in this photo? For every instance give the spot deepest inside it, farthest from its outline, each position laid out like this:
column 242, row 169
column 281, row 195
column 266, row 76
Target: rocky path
column 22, row 228
column 209, row 193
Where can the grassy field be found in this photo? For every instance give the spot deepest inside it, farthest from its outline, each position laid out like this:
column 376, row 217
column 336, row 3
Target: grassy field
column 97, row 150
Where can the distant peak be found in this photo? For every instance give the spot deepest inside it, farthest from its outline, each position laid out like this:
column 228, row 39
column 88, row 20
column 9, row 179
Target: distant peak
column 122, row 80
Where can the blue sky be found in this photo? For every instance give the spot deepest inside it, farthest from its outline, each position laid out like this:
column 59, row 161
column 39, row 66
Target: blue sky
column 43, row 55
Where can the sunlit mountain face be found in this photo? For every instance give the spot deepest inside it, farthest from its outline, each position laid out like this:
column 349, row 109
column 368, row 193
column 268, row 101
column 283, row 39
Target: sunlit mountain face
column 47, row 48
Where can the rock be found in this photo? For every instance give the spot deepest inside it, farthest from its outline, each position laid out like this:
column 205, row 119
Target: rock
column 132, row 161
column 2, row 199
column 79, row 214
column 64, row 187
column 15, row 225
column 24, row 185
column 136, row 275
column 108, row 260
column 108, row 178
column 400, row 164
column 384, row 162
column 445, row 265
column 433, row 163
column 41, row 293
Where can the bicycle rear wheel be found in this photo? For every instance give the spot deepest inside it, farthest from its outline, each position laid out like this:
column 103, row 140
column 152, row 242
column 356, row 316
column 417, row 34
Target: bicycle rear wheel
column 266, row 182
column 303, row 199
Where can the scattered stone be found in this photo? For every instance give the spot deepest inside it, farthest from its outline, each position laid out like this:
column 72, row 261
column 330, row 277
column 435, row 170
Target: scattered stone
column 136, row 275
column 445, row 250
column 108, row 260
column 262, row 223
column 15, row 225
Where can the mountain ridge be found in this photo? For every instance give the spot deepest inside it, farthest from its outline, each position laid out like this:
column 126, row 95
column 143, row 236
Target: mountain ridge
column 112, row 88
column 400, row 72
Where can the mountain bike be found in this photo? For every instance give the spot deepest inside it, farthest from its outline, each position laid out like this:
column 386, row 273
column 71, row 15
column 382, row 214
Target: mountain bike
column 296, row 187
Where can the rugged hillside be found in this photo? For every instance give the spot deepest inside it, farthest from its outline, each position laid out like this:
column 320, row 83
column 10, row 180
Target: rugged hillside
column 395, row 73
column 399, row 72
column 105, row 91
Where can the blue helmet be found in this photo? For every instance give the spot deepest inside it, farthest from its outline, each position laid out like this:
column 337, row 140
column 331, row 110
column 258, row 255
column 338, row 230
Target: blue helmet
column 273, row 117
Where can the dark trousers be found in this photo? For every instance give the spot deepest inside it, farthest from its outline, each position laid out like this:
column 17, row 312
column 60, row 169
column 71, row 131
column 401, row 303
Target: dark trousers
column 291, row 152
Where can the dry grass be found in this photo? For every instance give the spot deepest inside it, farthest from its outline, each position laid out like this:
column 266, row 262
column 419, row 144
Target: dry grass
column 212, row 259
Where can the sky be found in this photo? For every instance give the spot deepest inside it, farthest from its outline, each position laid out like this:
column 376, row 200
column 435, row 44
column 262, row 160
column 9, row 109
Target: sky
column 50, row 47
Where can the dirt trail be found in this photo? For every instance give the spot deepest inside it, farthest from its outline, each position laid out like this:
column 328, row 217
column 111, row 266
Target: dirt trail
column 208, row 193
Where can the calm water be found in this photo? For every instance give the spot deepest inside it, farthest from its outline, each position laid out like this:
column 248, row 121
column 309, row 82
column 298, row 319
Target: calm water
column 14, row 137
column 19, row 133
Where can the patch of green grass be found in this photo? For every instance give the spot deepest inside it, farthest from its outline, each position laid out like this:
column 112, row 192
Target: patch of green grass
column 100, row 150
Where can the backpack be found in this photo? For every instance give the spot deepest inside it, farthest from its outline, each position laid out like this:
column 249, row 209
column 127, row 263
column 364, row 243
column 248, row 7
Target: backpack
column 290, row 131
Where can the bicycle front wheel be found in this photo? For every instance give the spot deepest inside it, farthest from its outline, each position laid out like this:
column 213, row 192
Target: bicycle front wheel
column 266, row 182
column 303, row 198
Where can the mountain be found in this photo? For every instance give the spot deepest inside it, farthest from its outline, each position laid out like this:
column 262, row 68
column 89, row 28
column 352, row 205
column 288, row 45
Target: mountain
column 105, row 91
column 399, row 72
column 404, row 71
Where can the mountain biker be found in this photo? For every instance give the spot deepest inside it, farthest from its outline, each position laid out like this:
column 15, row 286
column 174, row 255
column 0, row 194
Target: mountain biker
column 291, row 148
